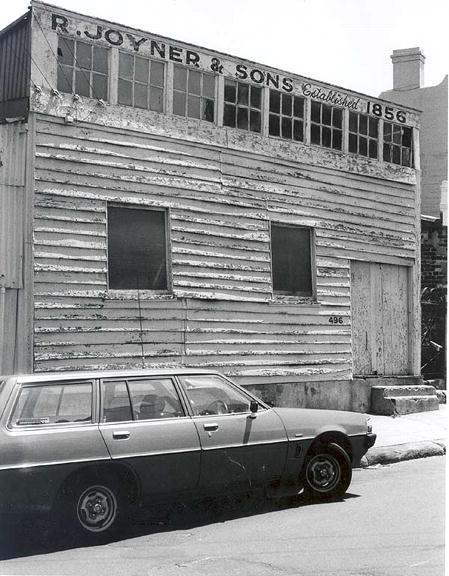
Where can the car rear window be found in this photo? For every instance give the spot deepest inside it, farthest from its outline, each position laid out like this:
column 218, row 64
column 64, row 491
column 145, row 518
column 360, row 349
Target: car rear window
column 53, row 404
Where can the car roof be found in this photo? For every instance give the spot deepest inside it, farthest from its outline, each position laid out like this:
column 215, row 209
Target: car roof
column 94, row 374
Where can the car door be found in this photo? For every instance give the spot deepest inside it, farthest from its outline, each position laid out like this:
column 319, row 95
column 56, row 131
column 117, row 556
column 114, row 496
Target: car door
column 239, row 449
column 144, row 424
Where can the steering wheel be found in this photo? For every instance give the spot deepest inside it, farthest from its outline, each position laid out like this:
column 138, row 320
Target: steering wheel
column 217, row 407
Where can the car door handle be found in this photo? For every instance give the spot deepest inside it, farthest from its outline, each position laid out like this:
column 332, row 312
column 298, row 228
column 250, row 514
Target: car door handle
column 120, row 434
column 210, row 427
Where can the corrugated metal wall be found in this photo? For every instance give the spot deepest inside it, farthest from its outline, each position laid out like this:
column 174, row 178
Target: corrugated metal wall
column 12, row 183
column 15, row 64
column 220, row 204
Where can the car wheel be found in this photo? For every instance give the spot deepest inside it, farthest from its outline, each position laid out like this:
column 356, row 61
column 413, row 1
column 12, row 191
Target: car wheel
column 90, row 508
column 328, row 472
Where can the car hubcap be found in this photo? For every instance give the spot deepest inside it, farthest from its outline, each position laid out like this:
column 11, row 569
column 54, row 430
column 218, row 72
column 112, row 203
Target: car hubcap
column 323, row 473
column 97, row 508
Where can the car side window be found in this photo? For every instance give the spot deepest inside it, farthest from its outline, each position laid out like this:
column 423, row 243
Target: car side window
column 53, row 404
column 140, row 399
column 214, row 395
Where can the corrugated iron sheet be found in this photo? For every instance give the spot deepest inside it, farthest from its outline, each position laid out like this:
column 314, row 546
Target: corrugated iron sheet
column 15, row 64
column 12, row 181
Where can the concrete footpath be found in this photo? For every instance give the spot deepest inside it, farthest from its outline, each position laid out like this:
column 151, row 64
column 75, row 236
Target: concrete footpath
column 409, row 436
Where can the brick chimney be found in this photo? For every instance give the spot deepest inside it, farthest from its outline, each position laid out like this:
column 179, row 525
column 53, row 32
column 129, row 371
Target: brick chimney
column 408, row 69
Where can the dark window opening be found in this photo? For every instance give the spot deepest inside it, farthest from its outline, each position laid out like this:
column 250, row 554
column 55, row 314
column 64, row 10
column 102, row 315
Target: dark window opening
column 291, row 260
column 242, row 106
column 82, row 69
column 137, row 251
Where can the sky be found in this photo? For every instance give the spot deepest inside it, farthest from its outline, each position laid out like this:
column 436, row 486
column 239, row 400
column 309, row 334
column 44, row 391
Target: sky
column 347, row 43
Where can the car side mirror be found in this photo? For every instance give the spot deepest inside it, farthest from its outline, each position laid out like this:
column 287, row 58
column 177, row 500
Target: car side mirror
column 254, row 407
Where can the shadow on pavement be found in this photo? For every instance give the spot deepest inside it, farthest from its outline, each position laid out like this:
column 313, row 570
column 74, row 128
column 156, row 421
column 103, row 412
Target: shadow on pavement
column 26, row 536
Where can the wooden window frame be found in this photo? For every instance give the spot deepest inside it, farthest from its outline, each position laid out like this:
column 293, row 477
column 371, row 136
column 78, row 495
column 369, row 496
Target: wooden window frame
column 359, row 135
column 75, row 67
column 242, row 106
column 321, row 126
column 135, row 82
column 282, row 116
column 201, row 96
column 390, row 147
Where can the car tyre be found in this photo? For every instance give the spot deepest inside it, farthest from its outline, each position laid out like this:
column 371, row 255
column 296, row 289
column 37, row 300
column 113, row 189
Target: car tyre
column 328, row 472
column 91, row 509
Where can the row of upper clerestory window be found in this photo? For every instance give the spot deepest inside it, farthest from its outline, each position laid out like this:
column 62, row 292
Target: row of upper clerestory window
column 83, row 69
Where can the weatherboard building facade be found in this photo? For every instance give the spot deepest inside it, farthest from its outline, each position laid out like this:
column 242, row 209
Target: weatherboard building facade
column 165, row 204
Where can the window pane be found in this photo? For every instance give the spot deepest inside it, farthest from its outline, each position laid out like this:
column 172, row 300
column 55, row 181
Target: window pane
column 53, row 404
column 286, row 128
column 179, row 103
column 298, row 107
column 194, row 108
column 388, row 128
column 229, row 91
column 82, row 86
column 180, row 78
column 315, row 134
column 386, row 153
column 326, row 115
column 363, row 124
column 242, row 118
column 243, row 94
column 353, row 143
column 214, row 395
column 157, row 74
column 373, row 127
column 255, row 121
column 194, row 82
column 65, row 78
column 396, row 155
column 298, row 130
column 291, row 260
column 209, row 86
column 373, row 149
column 126, row 66
column 316, row 112
column 157, row 99
column 275, row 101
column 336, row 117
column 353, row 117
column 229, row 115
column 66, row 51
column 256, row 97
column 84, row 55
column 336, row 139
column 125, row 92
column 273, row 127
column 116, row 404
column 397, row 134
column 286, row 104
column 100, row 86
column 326, row 136
column 407, row 137
column 141, row 72
column 100, row 60
column 208, row 110
column 406, row 157
column 136, row 249
column 363, row 146
column 154, row 398
column 141, row 96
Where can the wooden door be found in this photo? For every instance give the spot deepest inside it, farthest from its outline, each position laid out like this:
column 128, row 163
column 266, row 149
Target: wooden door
column 380, row 319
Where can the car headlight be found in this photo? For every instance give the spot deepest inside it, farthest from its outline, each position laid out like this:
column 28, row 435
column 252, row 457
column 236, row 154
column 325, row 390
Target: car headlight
column 369, row 425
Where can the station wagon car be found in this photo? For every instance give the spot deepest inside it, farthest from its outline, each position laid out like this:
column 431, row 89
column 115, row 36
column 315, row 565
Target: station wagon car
column 86, row 445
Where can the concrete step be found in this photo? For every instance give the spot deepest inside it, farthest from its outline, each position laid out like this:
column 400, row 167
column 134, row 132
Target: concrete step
column 394, row 380
column 390, row 400
column 393, row 391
